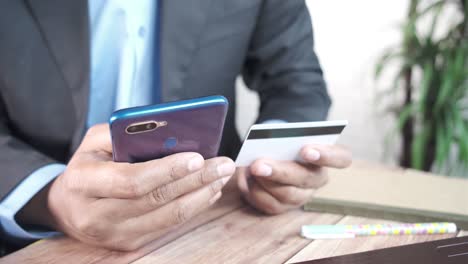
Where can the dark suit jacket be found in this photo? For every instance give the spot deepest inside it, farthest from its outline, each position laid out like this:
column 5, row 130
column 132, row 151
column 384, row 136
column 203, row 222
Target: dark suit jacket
column 44, row 70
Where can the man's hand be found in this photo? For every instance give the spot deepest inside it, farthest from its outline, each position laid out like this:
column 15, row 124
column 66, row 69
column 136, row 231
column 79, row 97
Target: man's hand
column 125, row 206
column 276, row 186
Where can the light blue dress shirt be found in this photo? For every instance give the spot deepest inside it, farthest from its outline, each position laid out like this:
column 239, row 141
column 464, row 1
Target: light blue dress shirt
column 122, row 46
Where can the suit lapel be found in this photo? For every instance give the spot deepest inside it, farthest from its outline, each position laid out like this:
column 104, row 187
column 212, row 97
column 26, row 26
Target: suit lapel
column 64, row 27
column 182, row 25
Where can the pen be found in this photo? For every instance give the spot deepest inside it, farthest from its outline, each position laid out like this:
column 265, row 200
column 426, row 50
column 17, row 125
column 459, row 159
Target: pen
column 351, row 231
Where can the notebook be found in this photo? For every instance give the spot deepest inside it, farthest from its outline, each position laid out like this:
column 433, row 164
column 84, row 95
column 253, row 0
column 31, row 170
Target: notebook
column 394, row 194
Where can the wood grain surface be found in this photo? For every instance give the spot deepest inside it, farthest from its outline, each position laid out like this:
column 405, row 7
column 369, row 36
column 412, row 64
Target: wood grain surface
column 243, row 236
column 58, row 250
column 232, row 232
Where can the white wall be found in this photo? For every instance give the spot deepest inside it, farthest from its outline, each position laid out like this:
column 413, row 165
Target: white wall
column 349, row 36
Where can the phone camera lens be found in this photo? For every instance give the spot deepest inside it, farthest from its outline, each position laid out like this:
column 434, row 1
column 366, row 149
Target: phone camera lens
column 141, row 127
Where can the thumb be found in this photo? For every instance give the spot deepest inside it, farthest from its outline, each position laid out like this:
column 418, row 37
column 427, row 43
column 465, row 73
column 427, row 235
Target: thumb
column 97, row 138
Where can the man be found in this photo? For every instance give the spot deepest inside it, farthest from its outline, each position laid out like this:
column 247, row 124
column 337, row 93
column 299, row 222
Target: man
column 66, row 65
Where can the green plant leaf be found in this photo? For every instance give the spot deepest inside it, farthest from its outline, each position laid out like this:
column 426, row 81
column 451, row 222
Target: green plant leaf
column 388, row 56
column 438, row 6
column 404, row 115
column 440, row 144
column 447, row 85
column 430, row 7
column 449, row 134
column 425, row 85
column 463, row 143
column 418, row 148
column 441, row 96
column 461, row 132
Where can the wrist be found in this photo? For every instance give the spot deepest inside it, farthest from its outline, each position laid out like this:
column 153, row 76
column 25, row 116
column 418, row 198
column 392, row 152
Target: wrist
column 36, row 213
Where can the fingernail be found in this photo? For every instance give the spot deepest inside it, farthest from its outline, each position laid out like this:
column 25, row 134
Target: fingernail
column 215, row 198
column 312, row 155
column 264, row 170
column 195, row 164
column 226, row 169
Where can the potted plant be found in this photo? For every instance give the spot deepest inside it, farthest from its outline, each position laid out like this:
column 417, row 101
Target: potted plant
column 432, row 77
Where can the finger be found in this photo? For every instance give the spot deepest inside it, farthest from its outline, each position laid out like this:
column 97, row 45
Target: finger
column 97, row 138
column 327, row 156
column 149, row 237
column 286, row 194
column 241, row 177
column 212, row 172
column 289, row 173
column 215, row 169
column 173, row 213
column 129, row 181
column 259, row 198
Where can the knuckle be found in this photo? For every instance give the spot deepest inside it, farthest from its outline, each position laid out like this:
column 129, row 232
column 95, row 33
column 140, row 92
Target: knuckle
column 129, row 246
column 173, row 173
column 72, row 184
column 215, row 187
column 181, row 214
column 308, row 182
column 125, row 182
column 321, row 177
column 272, row 209
column 201, row 178
column 160, row 196
column 174, row 165
column 93, row 230
column 282, row 173
column 289, row 195
column 123, row 244
column 132, row 188
column 296, row 201
column 311, row 179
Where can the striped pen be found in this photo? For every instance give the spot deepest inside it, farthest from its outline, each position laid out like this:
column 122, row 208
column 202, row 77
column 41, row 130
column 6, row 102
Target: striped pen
column 350, row 231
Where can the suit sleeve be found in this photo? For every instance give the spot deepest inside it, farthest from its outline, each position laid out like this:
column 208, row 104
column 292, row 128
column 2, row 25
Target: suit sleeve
column 282, row 66
column 17, row 159
column 23, row 173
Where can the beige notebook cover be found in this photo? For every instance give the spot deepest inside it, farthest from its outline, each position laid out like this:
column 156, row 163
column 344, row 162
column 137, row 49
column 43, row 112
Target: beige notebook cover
column 395, row 194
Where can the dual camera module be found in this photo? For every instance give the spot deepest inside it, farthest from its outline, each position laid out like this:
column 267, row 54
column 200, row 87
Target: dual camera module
column 144, row 127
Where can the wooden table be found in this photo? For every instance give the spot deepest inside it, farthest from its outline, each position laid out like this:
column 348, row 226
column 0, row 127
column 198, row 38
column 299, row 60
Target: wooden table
column 230, row 232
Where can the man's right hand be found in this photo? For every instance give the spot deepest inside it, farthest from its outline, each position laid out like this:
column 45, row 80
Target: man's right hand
column 125, row 206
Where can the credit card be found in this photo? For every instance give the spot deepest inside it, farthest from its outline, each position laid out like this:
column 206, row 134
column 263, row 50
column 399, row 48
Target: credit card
column 283, row 141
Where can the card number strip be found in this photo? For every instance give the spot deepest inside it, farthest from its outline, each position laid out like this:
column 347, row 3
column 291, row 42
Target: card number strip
column 294, row 132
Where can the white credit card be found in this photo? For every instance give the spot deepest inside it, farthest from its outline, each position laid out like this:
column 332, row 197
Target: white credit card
column 283, row 141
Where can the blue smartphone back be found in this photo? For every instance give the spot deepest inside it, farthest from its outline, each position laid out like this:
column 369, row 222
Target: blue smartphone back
column 194, row 125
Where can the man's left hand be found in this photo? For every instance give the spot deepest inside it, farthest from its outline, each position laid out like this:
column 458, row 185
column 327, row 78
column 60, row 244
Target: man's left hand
column 277, row 186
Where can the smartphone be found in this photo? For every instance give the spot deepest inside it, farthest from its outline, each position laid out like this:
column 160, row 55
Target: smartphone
column 151, row 132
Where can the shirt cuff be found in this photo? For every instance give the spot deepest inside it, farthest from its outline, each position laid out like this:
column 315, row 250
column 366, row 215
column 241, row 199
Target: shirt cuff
column 21, row 195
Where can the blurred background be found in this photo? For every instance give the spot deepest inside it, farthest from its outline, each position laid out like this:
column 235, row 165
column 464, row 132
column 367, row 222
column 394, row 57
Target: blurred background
column 409, row 43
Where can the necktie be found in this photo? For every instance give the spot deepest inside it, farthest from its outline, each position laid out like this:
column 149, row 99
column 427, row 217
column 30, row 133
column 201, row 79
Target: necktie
column 106, row 41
